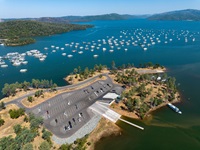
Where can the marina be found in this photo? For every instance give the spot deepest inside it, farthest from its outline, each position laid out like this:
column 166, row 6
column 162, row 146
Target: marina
column 181, row 59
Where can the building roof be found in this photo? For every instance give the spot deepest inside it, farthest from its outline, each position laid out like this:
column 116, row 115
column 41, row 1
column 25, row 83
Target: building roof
column 110, row 96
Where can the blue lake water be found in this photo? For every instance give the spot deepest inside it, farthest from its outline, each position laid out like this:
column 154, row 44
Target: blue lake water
column 166, row 130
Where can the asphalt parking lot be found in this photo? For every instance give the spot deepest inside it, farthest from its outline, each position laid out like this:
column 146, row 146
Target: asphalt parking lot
column 65, row 113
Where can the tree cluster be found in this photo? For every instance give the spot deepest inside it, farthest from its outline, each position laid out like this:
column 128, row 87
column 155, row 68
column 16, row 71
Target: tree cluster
column 38, row 93
column 79, row 144
column 86, row 73
column 23, row 137
column 20, row 32
column 11, row 89
column 14, row 114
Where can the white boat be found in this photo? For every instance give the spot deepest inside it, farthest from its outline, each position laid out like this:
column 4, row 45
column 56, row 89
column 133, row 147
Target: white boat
column 111, row 50
column 16, row 63
column 95, row 56
column 69, row 56
column 174, row 108
column 80, row 52
column 41, row 59
column 23, row 70
column 4, row 66
column 2, row 62
column 64, row 54
column 25, row 62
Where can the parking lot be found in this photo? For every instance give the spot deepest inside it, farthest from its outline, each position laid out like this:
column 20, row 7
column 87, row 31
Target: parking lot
column 65, row 113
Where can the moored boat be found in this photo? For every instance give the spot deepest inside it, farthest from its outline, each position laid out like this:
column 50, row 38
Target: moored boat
column 23, row 70
column 174, row 108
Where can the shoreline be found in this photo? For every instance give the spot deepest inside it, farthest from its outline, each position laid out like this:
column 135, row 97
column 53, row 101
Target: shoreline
column 105, row 128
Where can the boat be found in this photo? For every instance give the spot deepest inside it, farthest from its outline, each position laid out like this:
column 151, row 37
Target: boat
column 25, row 62
column 64, row 54
column 174, row 108
column 80, row 52
column 95, row 56
column 23, row 70
column 69, row 56
column 4, row 66
column 145, row 48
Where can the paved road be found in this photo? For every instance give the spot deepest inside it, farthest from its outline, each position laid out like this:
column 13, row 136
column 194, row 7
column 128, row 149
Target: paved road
column 17, row 101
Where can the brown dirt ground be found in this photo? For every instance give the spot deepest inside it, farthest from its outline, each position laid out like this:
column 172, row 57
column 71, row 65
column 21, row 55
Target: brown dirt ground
column 104, row 128
column 77, row 80
column 7, row 128
column 17, row 95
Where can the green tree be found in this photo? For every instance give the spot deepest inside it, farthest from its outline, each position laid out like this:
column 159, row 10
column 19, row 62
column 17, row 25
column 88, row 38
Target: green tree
column 35, row 83
column 65, row 147
column 6, row 142
column 129, row 105
column 30, row 99
column 75, row 70
column 28, row 146
column 1, row 122
column 38, row 93
column 44, row 146
column 2, row 105
column 9, row 90
column 24, row 137
column 46, row 135
column 17, row 129
column 36, row 122
column 25, row 85
column 16, row 113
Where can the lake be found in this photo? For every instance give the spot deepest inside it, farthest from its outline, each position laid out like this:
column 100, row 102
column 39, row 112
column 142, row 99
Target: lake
column 181, row 55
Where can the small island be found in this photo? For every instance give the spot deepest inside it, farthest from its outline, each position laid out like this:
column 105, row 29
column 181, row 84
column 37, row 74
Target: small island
column 21, row 32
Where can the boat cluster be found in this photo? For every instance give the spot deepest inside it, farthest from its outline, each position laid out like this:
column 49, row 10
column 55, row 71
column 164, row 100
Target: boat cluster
column 124, row 40
column 17, row 59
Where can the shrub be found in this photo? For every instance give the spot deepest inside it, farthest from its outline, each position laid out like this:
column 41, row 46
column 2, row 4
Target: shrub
column 16, row 113
column 1, row 122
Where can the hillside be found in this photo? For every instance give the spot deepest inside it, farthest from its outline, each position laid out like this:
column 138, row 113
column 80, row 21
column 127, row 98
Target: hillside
column 70, row 19
column 188, row 14
column 20, row 32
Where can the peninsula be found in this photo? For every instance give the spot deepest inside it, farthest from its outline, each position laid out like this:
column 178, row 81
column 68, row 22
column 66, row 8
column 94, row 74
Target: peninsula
column 21, row 32
column 54, row 116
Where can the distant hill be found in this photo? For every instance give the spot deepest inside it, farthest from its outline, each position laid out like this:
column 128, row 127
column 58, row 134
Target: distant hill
column 20, row 32
column 188, row 14
column 71, row 19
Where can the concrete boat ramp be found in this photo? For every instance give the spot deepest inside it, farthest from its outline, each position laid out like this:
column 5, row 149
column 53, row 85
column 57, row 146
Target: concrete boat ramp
column 103, row 110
